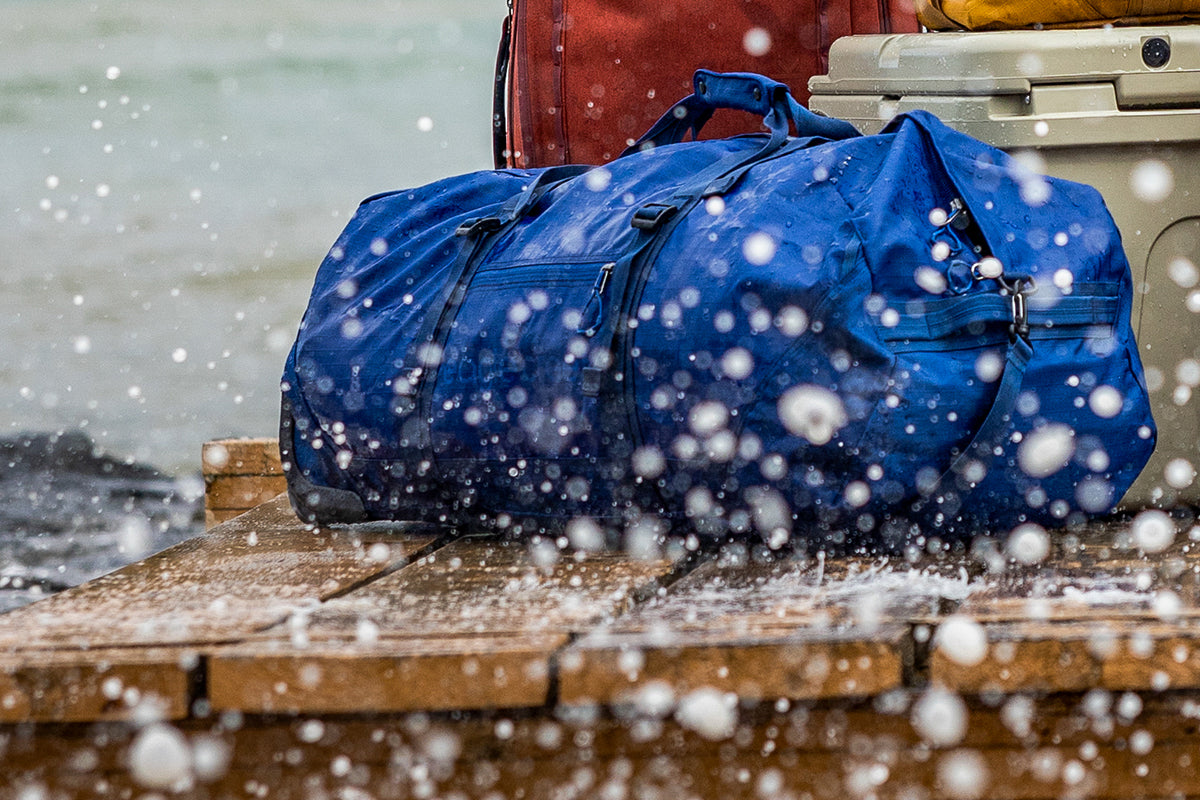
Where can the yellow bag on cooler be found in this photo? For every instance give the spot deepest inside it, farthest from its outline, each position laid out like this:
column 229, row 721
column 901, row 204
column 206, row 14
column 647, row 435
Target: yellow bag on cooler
column 994, row 15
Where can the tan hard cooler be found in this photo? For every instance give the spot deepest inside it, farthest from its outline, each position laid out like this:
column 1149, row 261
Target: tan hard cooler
column 1118, row 108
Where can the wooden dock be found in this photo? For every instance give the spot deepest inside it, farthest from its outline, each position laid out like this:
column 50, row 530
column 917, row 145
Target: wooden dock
column 265, row 659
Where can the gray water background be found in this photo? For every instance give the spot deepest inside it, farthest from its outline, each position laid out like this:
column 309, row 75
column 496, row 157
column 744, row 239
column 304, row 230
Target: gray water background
column 171, row 175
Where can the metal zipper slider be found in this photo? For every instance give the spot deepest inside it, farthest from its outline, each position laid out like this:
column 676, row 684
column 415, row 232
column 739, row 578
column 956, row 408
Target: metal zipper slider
column 596, row 297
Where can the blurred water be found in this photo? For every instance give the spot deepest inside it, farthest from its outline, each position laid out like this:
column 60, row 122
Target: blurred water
column 172, row 174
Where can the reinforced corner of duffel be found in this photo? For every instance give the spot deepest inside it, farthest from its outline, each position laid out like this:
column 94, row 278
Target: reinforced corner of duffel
column 312, row 502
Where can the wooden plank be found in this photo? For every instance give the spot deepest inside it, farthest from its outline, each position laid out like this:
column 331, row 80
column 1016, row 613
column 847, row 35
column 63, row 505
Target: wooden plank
column 242, row 492
column 780, row 628
column 489, row 586
column 1038, row 657
column 243, row 576
column 214, row 518
column 239, row 474
column 443, row 613
column 806, row 664
column 440, row 674
column 241, row 457
column 103, row 685
column 1077, row 656
column 144, row 625
column 823, row 752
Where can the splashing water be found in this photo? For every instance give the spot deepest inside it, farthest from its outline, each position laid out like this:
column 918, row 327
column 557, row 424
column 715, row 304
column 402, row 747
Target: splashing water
column 1046, row 450
column 963, row 775
column 160, row 757
column 962, row 640
column 813, row 412
column 1153, row 531
column 708, row 712
column 940, row 717
column 1028, row 544
column 1152, row 181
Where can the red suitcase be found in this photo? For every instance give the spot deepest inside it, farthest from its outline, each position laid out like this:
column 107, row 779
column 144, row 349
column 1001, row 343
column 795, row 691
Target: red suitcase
column 577, row 80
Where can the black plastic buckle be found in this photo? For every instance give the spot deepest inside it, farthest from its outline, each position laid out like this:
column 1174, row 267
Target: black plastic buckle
column 651, row 215
column 478, row 225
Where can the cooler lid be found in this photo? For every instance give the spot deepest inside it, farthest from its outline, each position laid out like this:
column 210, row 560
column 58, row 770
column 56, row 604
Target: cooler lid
column 1150, row 67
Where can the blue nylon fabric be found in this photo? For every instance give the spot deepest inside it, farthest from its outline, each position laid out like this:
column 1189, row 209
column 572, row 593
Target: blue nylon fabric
column 790, row 359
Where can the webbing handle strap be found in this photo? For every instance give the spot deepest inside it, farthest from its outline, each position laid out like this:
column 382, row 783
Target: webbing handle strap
column 994, row 428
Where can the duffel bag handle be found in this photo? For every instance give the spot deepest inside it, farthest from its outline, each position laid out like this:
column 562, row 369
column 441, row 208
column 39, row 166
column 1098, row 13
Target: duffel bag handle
column 739, row 91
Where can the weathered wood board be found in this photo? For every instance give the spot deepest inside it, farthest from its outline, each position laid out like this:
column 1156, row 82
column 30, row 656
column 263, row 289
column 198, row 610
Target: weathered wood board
column 764, row 629
column 239, row 474
column 475, row 624
column 156, row 616
column 403, row 661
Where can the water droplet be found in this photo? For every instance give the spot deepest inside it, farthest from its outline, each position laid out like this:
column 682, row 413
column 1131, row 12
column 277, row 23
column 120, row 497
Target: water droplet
column 989, row 366
column 160, row 757
column 931, row 280
column 1028, row 544
column 648, row 462
column 1187, row 372
column 1183, row 272
column 759, row 248
column 858, row 494
column 791, row 321
column 757, row 42
column 1046, row 450
column 963, row 775
column 708, row 712
column 598, row 179
column 1179, row 473
column 940, row 717
column 1105, row 402
column 1152, row 181
column 963, row 640
column 737, row 363
column 989, row 267
column 812, row 412
column 1153, row 531
column 584, row 534
column 1028, row 170
column 310, row 731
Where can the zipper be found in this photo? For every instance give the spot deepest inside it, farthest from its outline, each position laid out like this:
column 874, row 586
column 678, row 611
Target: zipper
column 596, row 298
column 427, row 380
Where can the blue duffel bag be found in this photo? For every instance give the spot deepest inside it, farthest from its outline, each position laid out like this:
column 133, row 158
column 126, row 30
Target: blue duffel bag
column 824, row 337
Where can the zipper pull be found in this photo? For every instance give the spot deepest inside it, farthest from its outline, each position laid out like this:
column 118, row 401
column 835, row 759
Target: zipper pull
column 596, row 298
